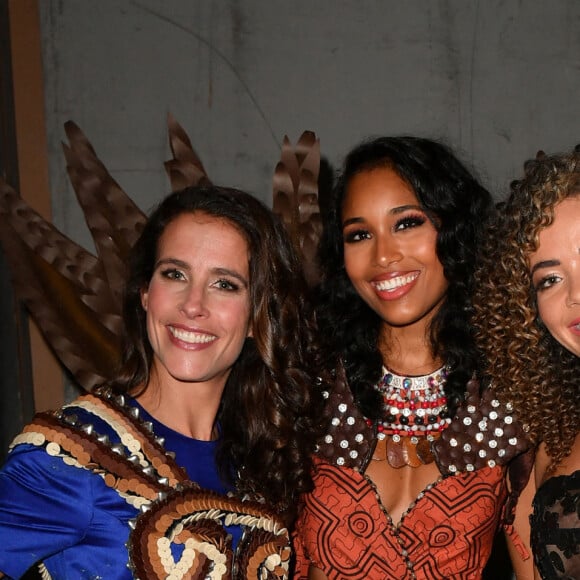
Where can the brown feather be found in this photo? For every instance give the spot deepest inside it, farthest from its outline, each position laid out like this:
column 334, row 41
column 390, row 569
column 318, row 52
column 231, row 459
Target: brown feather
column 74, row 296
column 63, row 287
column 185, row 169
column 295, row 197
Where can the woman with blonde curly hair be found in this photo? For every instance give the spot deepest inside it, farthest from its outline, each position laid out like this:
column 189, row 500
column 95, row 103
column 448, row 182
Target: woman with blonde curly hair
column 527, row 318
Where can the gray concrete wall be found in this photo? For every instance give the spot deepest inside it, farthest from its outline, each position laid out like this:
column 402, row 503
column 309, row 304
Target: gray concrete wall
column 498, row 79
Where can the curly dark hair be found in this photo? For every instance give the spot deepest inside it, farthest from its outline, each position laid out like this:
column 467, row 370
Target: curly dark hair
column 459, row 207
column 270, row 405
column 525, row 364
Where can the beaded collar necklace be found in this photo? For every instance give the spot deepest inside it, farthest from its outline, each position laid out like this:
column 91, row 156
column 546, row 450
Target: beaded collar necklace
column 413, row 406
column 414, row 414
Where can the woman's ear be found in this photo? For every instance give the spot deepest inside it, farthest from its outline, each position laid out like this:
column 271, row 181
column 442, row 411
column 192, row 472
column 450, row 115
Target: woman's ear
column 144, row 298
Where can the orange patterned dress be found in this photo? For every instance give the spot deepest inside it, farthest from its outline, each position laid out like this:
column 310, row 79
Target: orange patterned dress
column 345, row 531
column 448, row 532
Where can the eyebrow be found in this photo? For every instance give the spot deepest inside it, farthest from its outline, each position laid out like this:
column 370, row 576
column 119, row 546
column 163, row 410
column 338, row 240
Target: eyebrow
column 544, row 264
column 395, row 211
column 186, row 266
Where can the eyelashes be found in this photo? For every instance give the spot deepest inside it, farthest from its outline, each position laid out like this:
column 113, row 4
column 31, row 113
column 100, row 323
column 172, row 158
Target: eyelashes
column 220, row 284
column 410, row 221
column 172, row 274
column 354, row 236
column 546, row 282
column 226, row 285
column 403, row 223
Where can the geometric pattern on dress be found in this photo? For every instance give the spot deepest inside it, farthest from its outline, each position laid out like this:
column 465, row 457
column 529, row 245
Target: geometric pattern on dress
column 447, row 533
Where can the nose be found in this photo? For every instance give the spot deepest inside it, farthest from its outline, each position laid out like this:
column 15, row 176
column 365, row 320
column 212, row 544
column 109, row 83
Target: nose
column 573, row 297
column 387, row 250
column 193, row 301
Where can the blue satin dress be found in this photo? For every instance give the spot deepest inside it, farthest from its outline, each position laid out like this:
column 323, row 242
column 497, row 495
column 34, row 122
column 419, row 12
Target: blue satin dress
column 70, row 519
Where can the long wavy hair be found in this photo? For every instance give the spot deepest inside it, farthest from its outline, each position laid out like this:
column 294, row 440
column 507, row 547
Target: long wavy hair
column 270, row 404
column 525, row 364
column 459, row 207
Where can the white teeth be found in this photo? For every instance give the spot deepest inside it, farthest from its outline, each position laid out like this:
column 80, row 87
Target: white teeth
column 395, row 282
column 191, row 337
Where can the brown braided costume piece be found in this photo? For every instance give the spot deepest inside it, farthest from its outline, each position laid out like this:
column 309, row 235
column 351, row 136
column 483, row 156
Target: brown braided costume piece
column 174, row 509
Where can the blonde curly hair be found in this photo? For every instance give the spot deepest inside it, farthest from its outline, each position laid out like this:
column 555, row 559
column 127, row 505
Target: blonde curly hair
column 522, row 360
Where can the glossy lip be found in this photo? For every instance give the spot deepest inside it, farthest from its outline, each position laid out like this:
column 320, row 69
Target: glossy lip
column 575, row 326
column 190, row 338
column 393, row 285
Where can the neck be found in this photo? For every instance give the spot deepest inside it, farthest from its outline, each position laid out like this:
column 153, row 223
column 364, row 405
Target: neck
column 407, row 352
column 188, row 408
column 407, row 348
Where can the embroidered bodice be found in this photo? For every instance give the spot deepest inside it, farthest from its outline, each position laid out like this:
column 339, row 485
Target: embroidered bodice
column 556, row 527
column 179, row 529
column 447, row 532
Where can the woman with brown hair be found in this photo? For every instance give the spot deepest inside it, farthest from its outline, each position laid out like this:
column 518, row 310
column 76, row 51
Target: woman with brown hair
column 527, row 319
column 189, row 463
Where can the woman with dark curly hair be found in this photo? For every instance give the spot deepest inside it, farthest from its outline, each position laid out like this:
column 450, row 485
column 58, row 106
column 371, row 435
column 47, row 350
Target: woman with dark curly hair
column 527, row 316
column 402, row 491
column 218, row 365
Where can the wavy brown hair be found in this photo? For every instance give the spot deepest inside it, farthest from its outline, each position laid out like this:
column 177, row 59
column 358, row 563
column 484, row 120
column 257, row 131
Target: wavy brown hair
column 523, row 361
column 270, row 405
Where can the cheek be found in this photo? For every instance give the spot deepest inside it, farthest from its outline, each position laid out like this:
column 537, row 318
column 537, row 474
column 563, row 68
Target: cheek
column 427, row 248
column 549, row 308
column 236, row 317
column 149, row 300
column 247, row 326
column 544, row 310
column 353, row 262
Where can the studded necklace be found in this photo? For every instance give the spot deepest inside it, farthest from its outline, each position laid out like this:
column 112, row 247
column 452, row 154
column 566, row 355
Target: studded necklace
column 414, row 415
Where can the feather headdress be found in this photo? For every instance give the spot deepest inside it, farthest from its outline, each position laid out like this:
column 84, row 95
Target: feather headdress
column 75, row 296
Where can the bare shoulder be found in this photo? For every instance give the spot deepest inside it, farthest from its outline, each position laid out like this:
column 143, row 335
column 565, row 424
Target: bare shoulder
column 570, row 463
column 567, row 466
column 541, row 465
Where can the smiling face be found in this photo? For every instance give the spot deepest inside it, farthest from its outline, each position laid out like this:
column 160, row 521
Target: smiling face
column 390, row 249
column 555, row 269
column 198, row 300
